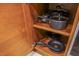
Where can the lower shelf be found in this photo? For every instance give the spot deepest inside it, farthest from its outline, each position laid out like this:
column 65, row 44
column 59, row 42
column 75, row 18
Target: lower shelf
column 45, row 50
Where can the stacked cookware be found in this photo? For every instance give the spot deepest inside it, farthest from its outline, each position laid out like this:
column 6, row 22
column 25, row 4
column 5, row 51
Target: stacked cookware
column 57, row 18
column 55, row 44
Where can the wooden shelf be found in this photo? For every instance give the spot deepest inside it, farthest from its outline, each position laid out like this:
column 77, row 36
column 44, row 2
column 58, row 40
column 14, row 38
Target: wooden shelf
column 46, row 51
column 45, row 26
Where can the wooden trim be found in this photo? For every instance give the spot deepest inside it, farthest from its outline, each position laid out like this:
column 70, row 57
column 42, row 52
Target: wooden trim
column 28, row 25
column 72, row 31
column 73, row 40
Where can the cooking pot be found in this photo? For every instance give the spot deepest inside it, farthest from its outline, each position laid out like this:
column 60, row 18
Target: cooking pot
column 59, row 22
column 59, row 18
column 59, row 10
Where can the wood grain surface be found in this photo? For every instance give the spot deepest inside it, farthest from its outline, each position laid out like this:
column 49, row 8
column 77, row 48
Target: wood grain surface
column 15, row 39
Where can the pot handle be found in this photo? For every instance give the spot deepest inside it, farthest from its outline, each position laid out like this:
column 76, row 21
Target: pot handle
column 39, row 17
column 58, row 7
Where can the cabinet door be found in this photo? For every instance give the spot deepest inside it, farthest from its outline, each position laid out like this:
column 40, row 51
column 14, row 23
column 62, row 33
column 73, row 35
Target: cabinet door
column 15, row 38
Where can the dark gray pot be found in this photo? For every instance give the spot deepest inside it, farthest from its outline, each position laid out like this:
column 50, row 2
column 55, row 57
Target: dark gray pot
column 58, row 24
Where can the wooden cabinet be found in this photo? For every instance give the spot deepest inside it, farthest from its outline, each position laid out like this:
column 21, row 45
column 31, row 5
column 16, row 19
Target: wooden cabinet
column 18, row 31
column 15, row 38
column 68, row 32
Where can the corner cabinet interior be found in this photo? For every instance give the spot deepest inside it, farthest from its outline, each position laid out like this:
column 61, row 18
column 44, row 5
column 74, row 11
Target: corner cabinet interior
column 19, row 29
column 67, row 33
